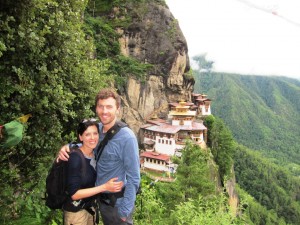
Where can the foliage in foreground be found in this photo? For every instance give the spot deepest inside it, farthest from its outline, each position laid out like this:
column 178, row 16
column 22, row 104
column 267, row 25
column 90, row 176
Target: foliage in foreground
column 46, row 71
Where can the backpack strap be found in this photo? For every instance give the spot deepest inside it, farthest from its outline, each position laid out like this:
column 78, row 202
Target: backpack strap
column 76, row 149
column 108, row 136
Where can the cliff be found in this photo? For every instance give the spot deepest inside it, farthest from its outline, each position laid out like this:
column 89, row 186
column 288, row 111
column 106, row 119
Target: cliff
column 153, row 37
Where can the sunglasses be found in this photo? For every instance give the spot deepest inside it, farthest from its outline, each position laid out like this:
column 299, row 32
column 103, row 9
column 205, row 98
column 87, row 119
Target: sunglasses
column 89, row 120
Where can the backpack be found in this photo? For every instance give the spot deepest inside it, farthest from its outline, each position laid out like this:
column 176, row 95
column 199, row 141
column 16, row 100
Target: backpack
column 56, row 182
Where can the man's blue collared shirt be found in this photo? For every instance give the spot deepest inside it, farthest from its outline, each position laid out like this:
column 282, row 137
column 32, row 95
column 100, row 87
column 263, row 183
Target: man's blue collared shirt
column 120, row 158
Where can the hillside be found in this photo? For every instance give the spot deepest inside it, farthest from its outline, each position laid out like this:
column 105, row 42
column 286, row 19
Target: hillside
column 263, row 113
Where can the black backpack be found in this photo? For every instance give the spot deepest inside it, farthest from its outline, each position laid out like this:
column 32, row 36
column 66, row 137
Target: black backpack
column 56, row 182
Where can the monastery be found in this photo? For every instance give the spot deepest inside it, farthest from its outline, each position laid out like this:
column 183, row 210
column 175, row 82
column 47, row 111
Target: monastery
column 163, row 139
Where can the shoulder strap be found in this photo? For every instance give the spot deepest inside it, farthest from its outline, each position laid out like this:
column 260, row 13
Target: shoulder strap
column 109, row 135
column 79, row 152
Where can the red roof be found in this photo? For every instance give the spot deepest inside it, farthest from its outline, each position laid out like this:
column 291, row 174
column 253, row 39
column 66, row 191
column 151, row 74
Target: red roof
column 170, row 129
column 156, row 121
column 155, row 155
column 203, row 99
column 164, row 128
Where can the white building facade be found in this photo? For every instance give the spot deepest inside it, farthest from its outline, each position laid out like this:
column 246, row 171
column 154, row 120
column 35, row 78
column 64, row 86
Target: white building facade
column 166, row 138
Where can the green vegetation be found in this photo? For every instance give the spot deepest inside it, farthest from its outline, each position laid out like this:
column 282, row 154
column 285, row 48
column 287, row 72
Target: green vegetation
column 271, row 186
column 222, row 145
column 192, row 199
column 45, row 71
column 263, row 113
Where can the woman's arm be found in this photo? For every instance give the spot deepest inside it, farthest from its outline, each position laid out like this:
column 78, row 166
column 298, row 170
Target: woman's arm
column 112, row 186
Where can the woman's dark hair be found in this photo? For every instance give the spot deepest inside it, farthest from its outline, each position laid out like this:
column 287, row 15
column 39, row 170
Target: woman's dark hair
column 84, row 124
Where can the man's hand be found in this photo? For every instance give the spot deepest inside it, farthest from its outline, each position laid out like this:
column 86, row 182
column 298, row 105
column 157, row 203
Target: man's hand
column 63, row 153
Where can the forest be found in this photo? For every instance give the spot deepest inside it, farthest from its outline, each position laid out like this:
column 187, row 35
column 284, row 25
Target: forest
column 270, row 119
column 266, row 162
column 55, row 56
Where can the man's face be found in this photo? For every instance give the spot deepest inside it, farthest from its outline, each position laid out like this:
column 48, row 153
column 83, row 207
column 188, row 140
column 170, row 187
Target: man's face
column 107, row 111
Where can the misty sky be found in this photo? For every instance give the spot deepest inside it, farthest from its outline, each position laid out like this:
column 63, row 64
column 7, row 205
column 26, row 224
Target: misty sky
column 259, row 37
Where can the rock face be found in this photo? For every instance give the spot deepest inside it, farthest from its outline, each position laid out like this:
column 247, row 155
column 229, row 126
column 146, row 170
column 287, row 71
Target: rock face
column 154, row 37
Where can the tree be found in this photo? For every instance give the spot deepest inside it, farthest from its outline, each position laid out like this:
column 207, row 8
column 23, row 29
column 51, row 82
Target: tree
column 222, row 146
column 193, row 173
column 46, row 70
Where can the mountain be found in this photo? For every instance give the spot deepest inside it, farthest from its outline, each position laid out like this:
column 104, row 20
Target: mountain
column 262, row 112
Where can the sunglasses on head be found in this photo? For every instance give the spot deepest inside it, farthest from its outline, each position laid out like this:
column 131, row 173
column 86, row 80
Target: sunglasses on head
column 89, row 120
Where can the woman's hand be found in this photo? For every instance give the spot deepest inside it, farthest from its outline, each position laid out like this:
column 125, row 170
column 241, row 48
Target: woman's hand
column 113, row 185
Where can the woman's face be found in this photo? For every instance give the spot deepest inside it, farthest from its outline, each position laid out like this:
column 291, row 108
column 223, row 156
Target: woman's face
column 90, row 137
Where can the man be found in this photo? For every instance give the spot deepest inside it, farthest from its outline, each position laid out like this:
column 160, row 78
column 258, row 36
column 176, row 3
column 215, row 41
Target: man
column 120, row 158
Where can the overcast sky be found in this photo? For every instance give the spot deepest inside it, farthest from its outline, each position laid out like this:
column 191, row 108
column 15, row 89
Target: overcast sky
column 259, row 37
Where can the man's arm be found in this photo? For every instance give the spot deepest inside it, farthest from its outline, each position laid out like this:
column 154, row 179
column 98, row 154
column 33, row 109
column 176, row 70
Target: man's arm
column 132, row 169
column 63, row 153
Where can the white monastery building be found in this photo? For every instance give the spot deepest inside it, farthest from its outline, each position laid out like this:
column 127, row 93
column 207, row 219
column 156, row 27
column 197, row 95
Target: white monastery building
column 165, row 138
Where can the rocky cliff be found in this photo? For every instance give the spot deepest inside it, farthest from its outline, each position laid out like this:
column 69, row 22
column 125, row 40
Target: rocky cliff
column 154, row 37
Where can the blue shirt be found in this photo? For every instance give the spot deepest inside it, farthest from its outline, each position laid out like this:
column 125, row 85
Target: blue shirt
column 120, row 158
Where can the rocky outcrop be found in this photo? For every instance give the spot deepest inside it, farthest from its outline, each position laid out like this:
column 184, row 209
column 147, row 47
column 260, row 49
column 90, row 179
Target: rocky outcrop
column 233, row 199
column 154, row 37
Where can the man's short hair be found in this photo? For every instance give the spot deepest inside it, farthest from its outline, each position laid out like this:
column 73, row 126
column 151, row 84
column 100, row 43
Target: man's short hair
column 106, row 93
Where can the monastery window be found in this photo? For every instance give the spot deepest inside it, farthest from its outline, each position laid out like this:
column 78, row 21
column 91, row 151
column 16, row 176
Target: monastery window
column 163, row 141
column 159, row 140
column 170, row 142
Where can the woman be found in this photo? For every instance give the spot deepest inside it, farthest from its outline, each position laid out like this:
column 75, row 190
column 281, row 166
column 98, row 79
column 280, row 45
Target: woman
column 82, row 188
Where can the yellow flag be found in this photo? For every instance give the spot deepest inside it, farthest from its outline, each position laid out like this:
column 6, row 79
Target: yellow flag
column 24, row 118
